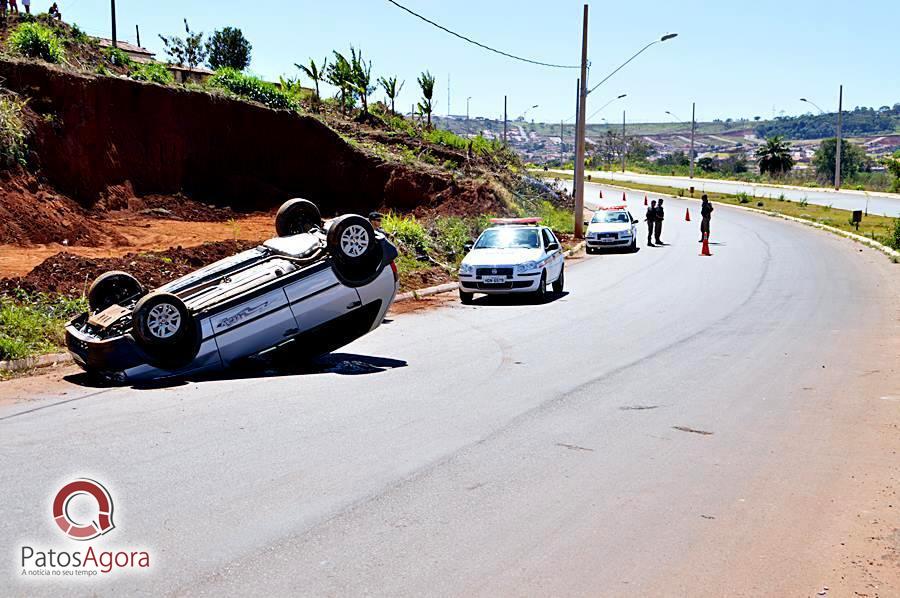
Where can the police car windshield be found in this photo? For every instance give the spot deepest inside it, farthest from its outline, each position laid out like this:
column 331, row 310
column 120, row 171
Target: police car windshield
column 509, row 238
column 611, row 217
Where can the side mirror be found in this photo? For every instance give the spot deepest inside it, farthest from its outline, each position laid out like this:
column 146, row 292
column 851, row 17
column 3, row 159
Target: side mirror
column 552, row 246
column 468, row 246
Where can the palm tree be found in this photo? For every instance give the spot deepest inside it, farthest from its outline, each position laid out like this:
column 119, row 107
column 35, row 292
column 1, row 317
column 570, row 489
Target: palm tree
column 391, row 89
column 775, row 156
column 426, row 83
column 361, row 78
column 340, row 74
column 314, row 72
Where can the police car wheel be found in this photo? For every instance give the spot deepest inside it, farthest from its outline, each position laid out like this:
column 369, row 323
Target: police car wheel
column 466, row 298
column 560, row 283
column 165, row 330
column 540, row 295
column 296, row 216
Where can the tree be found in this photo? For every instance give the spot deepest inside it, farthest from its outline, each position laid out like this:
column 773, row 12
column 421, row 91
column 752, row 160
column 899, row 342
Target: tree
column 426, row 84
column 775, row 156
column 189, row 52
column 823, row 160
column 361, row 78
column 391, row 89
column 706, row 164
column 893, row 166
column 228, row 48
column 340, row 74
column 316, row 73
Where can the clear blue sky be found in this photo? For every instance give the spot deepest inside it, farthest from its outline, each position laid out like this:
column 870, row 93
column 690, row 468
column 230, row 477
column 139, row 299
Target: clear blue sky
column 734, row 59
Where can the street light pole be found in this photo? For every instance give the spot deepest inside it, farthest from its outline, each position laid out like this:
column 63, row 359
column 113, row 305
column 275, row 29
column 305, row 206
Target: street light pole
column 693, row 128
column 504, row 121
column 837, row 147
column 575, row 141
column 579, row 131
column 623, row 141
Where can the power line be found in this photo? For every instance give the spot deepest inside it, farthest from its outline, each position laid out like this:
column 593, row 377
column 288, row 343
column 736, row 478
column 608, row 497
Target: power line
column 480, row 45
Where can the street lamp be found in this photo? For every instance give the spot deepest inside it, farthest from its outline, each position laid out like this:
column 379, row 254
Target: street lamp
column 814, row 104
column 580, row 134
column 524, row 114
column 693, row 128
column 837, row 137
column 600, row 109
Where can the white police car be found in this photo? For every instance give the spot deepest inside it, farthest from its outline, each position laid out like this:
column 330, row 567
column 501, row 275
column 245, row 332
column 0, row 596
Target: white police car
column 612, row 226
column 516, row 255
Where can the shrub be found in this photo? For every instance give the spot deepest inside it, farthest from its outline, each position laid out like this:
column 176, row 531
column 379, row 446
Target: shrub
column 153, row 72
column 117, row 57
column 894, row 239
column 743, row 198
column 451, row 233
column 13, row 133
column 32, row 325
column 36, row 41
column 408, row 231
column 252, row 88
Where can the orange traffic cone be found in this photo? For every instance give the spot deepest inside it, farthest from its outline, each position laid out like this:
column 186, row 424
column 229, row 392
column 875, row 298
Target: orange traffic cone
column 601, row 193
column 705, row 250
column 687, row 215
column 624, row 199
column 645, row 200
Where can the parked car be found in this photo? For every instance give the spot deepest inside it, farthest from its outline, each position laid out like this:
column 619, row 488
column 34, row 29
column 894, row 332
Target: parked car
column 516, row 255
column 312, row 281
column 612, row 226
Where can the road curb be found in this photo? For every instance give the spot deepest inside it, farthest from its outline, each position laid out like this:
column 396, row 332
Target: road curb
column 30, row 363
column 452, row 286
column 812, row 223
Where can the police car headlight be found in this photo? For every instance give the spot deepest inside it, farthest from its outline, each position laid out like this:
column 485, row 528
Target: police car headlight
column 625, row 233
column 526, row 267
column 466, row 269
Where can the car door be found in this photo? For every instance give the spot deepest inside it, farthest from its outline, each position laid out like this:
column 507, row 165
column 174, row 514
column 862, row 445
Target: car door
column 554, row 256
column 319, row 298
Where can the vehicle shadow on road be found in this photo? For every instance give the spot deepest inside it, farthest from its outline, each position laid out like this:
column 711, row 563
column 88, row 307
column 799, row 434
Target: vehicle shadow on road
column 517, row 299
column 279, row 363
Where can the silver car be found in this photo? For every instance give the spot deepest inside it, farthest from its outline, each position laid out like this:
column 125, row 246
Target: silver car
column 320, row 284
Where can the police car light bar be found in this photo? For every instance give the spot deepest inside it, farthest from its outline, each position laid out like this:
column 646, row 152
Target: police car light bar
column 622, row 207
column 515, row 220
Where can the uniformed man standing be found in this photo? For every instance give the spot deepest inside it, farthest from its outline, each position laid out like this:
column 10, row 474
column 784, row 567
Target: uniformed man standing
column 660, row 216
column 651, row 222
column 375, row 218
column 706, row 210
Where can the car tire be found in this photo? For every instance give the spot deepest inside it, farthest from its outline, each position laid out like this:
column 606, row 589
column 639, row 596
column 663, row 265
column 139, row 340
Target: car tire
column 560, row 283
column 296, row 216
column 165, row 330
column 540, row 295
column 633, row 247
column 466, row 298
column 113, row 288
column 357, row 255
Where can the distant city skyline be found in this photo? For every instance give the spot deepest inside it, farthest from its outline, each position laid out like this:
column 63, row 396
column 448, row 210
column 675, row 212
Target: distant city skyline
column 758, row 62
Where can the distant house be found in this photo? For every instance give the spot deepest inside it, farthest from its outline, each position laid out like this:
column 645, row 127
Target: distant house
column 183, row 74
column 136, row 53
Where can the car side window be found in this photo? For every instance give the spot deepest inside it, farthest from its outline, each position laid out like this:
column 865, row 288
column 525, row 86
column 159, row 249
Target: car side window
column 548, row 237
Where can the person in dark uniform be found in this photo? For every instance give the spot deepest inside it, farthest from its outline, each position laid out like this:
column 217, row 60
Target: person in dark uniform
column 651, row 222
column 660, row 216
column 706, row 210
column 375, row 218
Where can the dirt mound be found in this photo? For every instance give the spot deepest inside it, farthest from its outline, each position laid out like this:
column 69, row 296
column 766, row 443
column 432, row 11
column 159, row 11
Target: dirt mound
column 72, row 275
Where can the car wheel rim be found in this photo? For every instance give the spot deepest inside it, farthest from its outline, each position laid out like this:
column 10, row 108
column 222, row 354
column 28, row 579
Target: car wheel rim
column 354, row 241
column 163, row 320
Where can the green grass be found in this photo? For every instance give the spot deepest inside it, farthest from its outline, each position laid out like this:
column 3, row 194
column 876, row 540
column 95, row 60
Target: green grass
column 33, row 324
column 878, row 228
column 152, row 72
column 13, row 133
column 34, row 40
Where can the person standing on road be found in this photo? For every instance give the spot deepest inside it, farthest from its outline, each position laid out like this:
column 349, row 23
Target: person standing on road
column 651, row 222
column 13, row 8
column 375, row 218
column 660, row 216
column 27, row 5
column 706, row 210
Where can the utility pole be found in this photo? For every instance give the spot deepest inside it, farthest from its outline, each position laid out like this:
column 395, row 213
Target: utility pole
column 562, row 145
column 504, row 121
column 837, row 147
column 115, row 44
column 448, row 95
column 137, row 33
column 693, row 128
column 579, row 131
column 575, row 140
column 623, row 141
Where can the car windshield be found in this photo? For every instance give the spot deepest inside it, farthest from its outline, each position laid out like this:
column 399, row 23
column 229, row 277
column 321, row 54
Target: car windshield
column 509, row 238
column 611, row 217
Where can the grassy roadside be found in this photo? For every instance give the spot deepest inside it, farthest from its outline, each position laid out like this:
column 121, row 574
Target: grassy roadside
column 882, row 229
column 33, row 324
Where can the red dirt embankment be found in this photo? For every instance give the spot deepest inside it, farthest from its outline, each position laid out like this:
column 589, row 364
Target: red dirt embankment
column 97, row 136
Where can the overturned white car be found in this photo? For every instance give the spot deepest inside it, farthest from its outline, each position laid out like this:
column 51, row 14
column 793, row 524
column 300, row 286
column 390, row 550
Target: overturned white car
column 329, row 283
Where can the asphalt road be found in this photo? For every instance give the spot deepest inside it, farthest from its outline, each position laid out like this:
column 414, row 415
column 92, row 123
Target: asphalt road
column 672, row 426
column 885, row 204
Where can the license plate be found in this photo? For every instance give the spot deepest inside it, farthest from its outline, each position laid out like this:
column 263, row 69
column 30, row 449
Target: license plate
column 494, row 279
column 608, row 240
